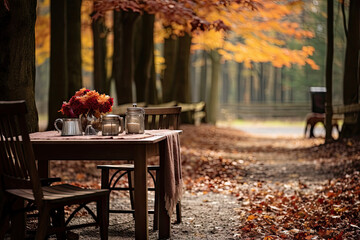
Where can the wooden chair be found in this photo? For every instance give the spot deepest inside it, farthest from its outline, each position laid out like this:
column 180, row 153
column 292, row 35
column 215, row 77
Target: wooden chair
column 20, row 182
column 155, row 118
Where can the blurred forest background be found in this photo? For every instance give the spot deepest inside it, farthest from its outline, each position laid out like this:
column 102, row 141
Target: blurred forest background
column 269, row 58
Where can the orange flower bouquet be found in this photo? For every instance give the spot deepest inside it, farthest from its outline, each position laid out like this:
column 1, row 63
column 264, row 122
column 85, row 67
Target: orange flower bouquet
column 86, row 102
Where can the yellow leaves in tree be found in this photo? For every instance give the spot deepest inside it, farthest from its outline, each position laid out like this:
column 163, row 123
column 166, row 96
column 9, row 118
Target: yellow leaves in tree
column 208, row 40
column 260, row 36
column 42, row 38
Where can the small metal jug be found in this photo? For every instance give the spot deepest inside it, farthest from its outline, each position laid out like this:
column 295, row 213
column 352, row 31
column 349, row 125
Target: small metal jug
column 70, row 126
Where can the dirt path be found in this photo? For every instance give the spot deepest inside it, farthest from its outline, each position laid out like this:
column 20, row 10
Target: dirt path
column 224, row 171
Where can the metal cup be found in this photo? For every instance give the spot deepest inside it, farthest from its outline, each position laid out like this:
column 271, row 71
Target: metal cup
column 70, row 126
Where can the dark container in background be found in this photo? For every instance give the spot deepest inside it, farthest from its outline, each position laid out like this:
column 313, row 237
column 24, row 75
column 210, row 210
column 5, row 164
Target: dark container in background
column 318, row 95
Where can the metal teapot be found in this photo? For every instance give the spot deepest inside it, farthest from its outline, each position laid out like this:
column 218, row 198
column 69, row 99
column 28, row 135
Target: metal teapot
column 112, row 125
column 70, row 126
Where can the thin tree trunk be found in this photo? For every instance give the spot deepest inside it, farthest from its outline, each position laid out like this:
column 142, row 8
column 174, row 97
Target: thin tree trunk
column 252, row 84
column 214, row 89
column 125, row 95
column 329, row 67
column 203, row 77
column 17, row 55
column 117, row 53
column 282, row 83
column 170, row 55
column 100, row 32
column 58, row 90
column 145, row 60
column 351, row 78
column 240, row 82
column 225, row 81
column 182, row 80
column 73, row 36
column 276, row 73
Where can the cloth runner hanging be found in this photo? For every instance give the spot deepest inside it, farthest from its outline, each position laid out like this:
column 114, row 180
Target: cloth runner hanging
column 173, row 174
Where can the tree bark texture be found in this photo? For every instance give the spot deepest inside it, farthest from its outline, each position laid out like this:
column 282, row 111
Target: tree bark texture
column 170, row 55
column 225, row 83
column 144, row 62
column 329, row 70
column 213, row 108
column 182, row 78
column 203, row 77
column 17, row 55
column 351, row 78
column 125, row 83
column 240, row 82
column 100, row 32
column 117, row 53
column 73, row 40
column 58, row 90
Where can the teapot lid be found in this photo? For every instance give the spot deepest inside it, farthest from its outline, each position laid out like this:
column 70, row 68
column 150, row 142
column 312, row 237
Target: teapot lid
column 110, row 117
column 135, row 109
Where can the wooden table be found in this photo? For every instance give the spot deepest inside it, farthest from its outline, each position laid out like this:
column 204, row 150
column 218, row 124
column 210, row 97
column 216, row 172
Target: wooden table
column 137, row 150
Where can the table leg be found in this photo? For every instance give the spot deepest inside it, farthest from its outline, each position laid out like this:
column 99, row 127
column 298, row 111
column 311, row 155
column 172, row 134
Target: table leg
column 164, row 218
column 141, row 196
column 43, row 168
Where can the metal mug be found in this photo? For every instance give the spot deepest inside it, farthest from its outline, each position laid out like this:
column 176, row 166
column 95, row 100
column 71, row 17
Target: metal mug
column 70, row 126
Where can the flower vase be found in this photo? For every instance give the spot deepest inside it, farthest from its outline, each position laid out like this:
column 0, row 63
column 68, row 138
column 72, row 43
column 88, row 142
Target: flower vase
column 90, row 120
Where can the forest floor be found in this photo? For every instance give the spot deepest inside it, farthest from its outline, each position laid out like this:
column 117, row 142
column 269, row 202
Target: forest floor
column 242, row 186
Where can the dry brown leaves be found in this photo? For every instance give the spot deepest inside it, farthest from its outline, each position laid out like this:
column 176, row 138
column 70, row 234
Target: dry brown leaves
column 216, row 159
column 220, row 159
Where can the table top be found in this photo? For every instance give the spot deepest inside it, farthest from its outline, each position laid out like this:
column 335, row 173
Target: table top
column 54, row 137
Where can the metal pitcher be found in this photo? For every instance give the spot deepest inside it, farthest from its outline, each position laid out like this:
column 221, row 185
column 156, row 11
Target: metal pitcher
column 70, row 126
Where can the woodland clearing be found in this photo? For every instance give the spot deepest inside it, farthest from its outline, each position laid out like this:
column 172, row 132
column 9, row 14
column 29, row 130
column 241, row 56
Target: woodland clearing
column 242, row 186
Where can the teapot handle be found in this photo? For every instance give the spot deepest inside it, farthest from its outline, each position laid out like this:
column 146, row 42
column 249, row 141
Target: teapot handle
column 56, row 122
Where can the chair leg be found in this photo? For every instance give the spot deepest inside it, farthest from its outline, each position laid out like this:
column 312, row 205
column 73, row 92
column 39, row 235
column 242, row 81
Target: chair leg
column 44, row 220
column 103, row 216
column 18, row 220
column 4, row 216
column 157, row 196
column 58, row 220
column 105, row 179
column 178, row 212
column 131, row 192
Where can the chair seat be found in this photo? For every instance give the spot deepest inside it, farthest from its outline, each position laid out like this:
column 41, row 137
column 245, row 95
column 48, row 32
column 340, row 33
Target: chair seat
column 60, row 193
column 126, row 167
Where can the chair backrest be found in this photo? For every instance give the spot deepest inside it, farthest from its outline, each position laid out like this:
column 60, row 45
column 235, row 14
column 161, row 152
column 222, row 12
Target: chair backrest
column 17, row 161
column 162, row 117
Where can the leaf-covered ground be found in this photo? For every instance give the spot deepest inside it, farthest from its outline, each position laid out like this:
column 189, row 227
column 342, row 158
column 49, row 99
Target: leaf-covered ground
column 284, row 188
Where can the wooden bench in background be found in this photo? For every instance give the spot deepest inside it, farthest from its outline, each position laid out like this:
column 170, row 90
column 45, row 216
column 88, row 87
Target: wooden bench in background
column 193, row 113
column 313, row 118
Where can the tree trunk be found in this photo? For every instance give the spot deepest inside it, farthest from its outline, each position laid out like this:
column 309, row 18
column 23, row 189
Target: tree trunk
column 58, row 89
column 225, row 82
column 351, row 78
column 214, row 89
column 252, row 83
column 17, row 55
column 145, row 60
column 240, row 83
column 117, row 53
column 125, row 85
column 73, row 36
column 170, row 55
column 329, row 67
column 182, row 80
column 203, row 77
column 100, row 32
